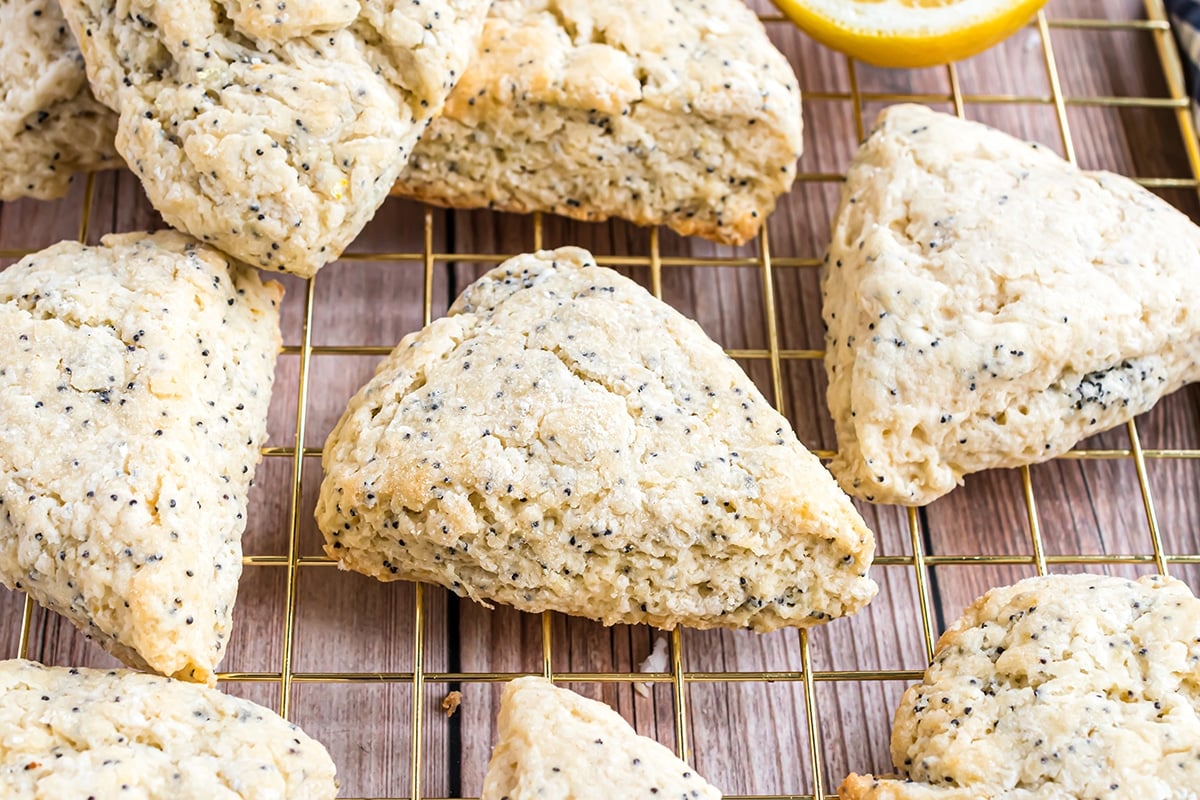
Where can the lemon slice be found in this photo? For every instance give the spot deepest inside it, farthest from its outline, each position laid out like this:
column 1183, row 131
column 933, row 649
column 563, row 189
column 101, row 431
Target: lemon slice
column 909, row 33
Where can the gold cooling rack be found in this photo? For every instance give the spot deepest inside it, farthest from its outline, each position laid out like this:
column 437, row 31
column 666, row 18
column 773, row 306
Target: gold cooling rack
column 694, row 705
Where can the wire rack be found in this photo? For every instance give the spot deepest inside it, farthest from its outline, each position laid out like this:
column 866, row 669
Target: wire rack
column 820, row 718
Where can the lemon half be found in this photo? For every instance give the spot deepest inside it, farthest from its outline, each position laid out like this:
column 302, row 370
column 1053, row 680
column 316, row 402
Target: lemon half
column 910, row 33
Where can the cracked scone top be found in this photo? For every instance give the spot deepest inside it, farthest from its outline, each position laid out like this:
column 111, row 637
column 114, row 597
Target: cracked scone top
column 555, row 744
column 989, row 305
column 50, row 125
column 273, row 131
column 93, row 733
column 1064, row 687
column 134, row 385
column 682, row 114
column 562, row 440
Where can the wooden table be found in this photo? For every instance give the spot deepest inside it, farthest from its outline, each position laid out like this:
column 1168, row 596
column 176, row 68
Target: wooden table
column 364, row 666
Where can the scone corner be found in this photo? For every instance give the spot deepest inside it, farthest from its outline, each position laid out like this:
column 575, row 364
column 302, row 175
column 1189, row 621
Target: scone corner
column 857, row 481
column 868, row 787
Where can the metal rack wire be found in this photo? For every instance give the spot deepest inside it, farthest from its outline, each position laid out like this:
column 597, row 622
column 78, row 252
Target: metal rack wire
column 293, row 562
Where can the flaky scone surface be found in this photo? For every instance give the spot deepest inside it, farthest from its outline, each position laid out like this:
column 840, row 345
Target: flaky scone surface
column 50, row 125
column 134, row 388
column 1064, row 687
column 989, row 305
column 95, row 733
column 679, row 113
column 562, row 440
column 555, row 744
column 273, row 131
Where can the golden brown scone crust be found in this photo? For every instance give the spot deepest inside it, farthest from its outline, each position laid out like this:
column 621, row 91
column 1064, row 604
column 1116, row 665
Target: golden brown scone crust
column 989, row 305
column 133, row 405
column 678, row 113
column 563, row 440
column 1063, row 687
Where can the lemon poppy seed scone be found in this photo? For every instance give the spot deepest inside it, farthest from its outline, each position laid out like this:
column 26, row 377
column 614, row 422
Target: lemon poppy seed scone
column 591, row 754
column 273, row 131
column 989, row 305
column 133, row 405
column 562, row 440
column 94, row 733
column 681, row 114
column 1064, row 687
column 50, row 125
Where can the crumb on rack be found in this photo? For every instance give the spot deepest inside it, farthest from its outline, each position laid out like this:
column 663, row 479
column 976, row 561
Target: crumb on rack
column 655, row 662
column 451, row 702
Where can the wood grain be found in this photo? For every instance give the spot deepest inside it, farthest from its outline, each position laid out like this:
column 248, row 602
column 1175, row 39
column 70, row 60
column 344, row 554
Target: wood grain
column 749, row 736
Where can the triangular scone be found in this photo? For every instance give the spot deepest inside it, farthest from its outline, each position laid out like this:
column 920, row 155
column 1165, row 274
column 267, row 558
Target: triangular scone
column 1065, row 687
column 556, row 745
column 94, row 733
column 133, row 405
column 273, row 130
column 50, row 125
column 990, row 305
column 562, row 440
column 682, row 114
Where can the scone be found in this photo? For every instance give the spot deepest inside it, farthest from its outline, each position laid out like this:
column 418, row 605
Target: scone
column 682, row 113
column 50, row 125
column 273, row 131
column 564, row 441
column 94, row 733
column 133, row 406
column 989, row 305
column 1065, row 687
column 556, row 745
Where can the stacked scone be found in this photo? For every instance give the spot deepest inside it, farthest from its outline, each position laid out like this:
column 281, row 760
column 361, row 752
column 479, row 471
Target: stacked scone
column 561, row 440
